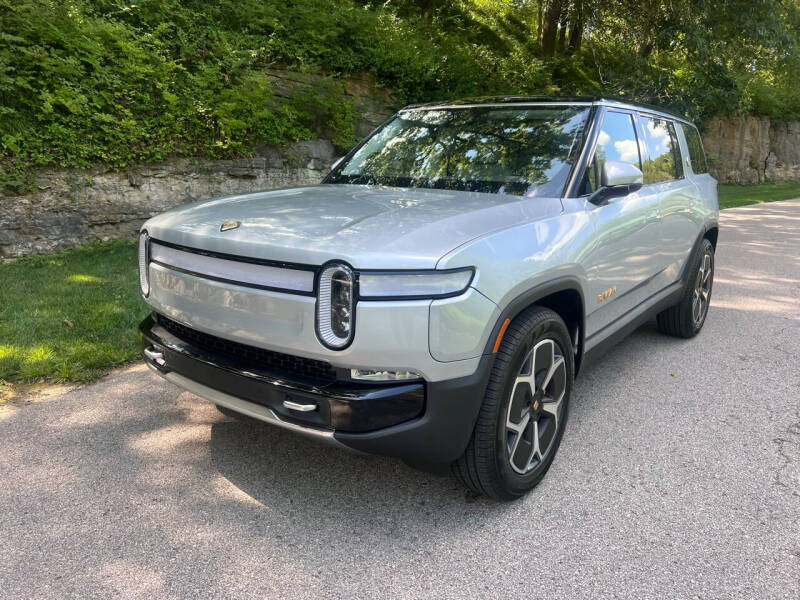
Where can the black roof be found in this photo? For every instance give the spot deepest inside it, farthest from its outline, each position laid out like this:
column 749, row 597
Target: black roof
column 533, row 99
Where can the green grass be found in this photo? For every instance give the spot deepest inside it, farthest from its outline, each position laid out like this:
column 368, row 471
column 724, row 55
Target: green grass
column 731, row 194
column 69, row 316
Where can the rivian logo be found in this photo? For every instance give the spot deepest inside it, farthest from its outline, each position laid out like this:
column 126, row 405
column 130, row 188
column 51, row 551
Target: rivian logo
column 609, row 292
column 229, row 225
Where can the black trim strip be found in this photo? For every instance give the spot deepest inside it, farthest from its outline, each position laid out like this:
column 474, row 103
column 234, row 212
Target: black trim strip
column 237, row 258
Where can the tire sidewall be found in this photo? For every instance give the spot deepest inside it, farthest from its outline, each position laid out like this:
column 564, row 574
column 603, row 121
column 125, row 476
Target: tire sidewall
column 554, row 329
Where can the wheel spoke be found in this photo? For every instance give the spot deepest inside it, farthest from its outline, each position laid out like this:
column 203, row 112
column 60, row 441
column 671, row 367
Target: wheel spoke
column 518, row 428
column 537, row 450
column 520, row 402
column 557, row 364
column 543, row 357
column 546, row 434
column 553, row 406
column 523, row 447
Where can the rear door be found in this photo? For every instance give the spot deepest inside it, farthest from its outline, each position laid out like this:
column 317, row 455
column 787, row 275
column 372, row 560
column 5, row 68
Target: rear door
column 624, row 256
column 665, row 175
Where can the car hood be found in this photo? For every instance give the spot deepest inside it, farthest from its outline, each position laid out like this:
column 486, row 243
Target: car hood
column 367, row 226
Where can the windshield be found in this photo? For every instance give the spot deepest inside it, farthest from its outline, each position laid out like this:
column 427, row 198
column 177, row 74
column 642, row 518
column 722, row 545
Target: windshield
column 502, row 150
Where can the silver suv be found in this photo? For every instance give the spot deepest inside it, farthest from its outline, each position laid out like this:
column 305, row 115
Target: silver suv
column 434, row 298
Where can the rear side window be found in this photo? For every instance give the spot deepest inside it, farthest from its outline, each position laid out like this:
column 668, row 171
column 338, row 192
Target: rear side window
column 696, row 154
column 616, row 141
column 663, row 162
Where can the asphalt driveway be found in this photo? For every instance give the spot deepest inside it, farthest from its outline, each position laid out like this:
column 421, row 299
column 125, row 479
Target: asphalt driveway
column 678, row 477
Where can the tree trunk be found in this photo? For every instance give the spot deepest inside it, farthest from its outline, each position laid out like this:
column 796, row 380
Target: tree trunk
column 576, row 26
column 539, row 10
column 561, row 38
column 552, row 16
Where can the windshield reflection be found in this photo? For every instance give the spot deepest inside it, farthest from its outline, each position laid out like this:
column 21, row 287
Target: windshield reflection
column 504, row 150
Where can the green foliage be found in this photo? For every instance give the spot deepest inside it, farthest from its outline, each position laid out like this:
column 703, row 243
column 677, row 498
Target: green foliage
column 86, row 82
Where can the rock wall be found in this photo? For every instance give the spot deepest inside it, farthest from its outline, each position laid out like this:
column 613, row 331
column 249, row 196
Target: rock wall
column 748, row 149
column 74, row 207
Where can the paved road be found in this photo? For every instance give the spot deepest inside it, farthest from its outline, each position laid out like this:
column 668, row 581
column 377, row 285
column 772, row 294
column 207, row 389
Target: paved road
column 679, row 477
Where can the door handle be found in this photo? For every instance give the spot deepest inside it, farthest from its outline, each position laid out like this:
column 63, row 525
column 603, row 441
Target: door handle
column 652, row 218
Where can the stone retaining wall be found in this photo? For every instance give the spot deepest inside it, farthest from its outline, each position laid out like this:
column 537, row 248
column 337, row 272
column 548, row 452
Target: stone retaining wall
column 749, row 149
column 74, row 207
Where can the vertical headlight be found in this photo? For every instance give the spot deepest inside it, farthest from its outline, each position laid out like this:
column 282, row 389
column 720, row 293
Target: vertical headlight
column 144, row 259
column 336, row 306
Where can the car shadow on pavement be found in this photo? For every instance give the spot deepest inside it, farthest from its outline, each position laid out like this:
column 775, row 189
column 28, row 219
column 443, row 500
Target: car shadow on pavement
column 287, row 472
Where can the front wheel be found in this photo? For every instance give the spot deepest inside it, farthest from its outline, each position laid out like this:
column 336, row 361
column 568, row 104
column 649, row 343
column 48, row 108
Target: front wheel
column 525, row 408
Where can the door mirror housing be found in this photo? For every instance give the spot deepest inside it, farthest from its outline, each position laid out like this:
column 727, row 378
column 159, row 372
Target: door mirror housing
column 618, row 178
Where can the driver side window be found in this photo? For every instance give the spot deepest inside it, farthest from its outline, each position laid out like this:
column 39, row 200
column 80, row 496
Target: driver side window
column 616, row 141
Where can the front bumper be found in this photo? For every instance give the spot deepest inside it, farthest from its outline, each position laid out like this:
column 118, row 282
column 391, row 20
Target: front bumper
column 422, row 422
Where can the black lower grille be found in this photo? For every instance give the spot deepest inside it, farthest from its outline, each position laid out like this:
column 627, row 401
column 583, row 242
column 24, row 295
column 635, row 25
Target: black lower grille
column 277, row 363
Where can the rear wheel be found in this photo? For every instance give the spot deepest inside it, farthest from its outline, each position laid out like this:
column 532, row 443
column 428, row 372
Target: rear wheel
column 686, row 318
column 525, row 408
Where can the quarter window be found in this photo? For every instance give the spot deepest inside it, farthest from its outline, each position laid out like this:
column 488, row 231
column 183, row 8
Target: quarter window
column 663, row 162
column 696, row 154
column 616, row 141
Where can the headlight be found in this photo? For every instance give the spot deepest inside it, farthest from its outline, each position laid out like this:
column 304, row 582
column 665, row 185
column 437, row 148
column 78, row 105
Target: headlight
column 336, row 306
column 144, row 259
column 339, row 288
column 385, row 285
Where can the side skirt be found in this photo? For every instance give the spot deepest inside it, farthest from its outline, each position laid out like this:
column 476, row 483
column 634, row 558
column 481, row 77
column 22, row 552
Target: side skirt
column 599, row 343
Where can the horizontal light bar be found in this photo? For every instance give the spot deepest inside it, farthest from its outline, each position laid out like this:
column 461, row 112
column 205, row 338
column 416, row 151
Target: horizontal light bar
column 413, row 284
column 294, row 280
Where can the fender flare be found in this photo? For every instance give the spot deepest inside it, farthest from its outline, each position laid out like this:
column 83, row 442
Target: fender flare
column 530, row 297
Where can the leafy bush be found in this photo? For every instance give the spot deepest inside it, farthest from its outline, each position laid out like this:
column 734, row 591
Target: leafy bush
column 87, row 82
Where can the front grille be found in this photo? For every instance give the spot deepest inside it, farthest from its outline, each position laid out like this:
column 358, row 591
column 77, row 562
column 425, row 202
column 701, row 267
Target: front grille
column 266, row 360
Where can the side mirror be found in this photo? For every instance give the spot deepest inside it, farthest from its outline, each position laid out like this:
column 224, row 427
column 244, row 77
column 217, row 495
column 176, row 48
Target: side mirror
column 617, row 179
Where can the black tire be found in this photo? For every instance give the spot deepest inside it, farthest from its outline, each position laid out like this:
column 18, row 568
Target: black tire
column 486, row 465
column 681, row 320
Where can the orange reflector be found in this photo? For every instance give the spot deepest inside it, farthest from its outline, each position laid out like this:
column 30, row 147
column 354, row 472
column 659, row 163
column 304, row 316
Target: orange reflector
column 500, row 336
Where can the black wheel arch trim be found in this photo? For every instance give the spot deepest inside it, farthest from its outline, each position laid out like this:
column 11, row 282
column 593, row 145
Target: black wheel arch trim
column 535, row 294
column 711, row 225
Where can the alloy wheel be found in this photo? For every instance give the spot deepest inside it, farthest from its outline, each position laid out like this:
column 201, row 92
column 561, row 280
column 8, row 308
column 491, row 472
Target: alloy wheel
column 535, row 408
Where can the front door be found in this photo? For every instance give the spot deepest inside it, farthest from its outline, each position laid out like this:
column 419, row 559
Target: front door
column 624, row 259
